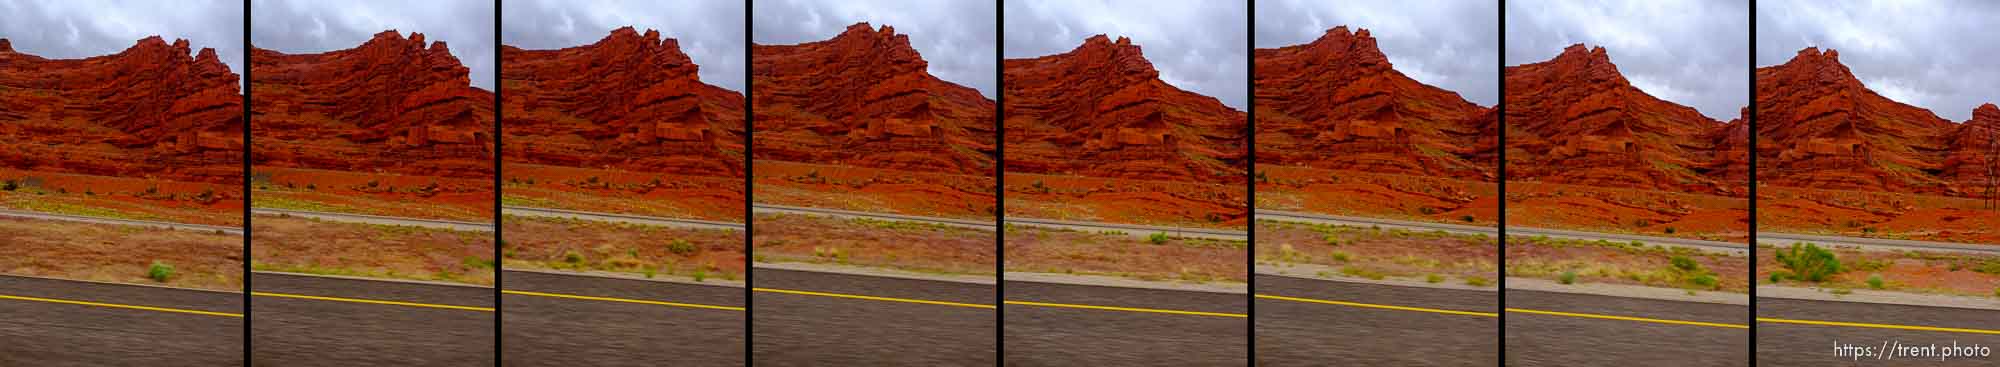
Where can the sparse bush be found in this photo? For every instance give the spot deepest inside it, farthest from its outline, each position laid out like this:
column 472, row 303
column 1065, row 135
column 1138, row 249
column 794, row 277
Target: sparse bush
column 1808, row 262
column 681, row 247
column 10, row 185
column 572, row 257
column 1568, row 277
column 1467, row 218
column 1477, row 281
column 1704, row 280
column 1670, row 230
column 1341, row 256
column 1157, row 238
column 160, row 272
column 1427, row 210
column 1875, row 281
column 1684, row 263
column 1434, row 278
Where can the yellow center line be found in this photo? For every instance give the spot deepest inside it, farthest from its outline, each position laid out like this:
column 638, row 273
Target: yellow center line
column 1371, row 305
column 114, row 305
column 873, row 298
column 1629, row 318
column 370, row 301
column 1877, row 326
column 1126, row 309
column 625, row 300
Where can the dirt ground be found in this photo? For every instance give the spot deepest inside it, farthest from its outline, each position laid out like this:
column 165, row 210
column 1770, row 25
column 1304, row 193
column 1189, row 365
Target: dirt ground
column 909, row 246
column 1111, row 200
column 117, row 253
column 1161, row 258
column 1903, row 271
column 1631, row 263
column 624, row 192
column 873, row 190
column 572, row 244
column 283, row 243
column 1366, row 194
column 1367, row 252
column 385, row 194
column 1612, row 210
column 1877, row 215
column 123, row 198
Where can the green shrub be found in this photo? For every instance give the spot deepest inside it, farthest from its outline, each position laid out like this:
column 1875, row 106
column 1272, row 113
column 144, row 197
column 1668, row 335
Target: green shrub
column 1568, row 277
column 681, row 247
column 1704, row 280
column 1875, row 281
column 160, row 271
column 572, row 257
column 10, row 185
column 1670, row 230
column 1477, row 281
column 1684, row 263
column 1467, row 219
column 1158, row 238
column 1434, row 278
column 1808, row 262
column 1341, row 256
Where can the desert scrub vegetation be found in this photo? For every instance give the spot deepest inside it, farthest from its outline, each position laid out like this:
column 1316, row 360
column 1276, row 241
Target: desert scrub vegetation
column 1806, row 262
column 160, row 272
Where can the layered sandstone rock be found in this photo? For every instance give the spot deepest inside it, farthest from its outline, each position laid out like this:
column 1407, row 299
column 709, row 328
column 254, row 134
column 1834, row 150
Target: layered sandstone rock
column 151, row 110
column 865, row 98
column 392, row 104
column 1974, row 159
column 1337, row 103
column 1575, row 119
column 1819, row 127
column 629, row 101
column 1101, row 110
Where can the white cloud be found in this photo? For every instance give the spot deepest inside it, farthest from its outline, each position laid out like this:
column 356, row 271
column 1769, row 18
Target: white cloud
column 306, row 26
column 1694, row 53
column 710, row 32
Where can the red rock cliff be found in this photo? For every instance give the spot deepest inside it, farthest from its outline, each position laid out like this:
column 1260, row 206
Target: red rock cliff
column 630, row 101
column 392, row 104
column 1818, row 126
column 150, row 110
column 1337, row 103
column 1575, row 119
column 1101, row 110
column 864, row 98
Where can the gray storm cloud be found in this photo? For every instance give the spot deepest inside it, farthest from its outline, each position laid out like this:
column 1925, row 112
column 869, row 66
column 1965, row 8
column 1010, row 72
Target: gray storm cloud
column 307, row 26
column 1200, row 46
column 75, row 29
column 1938, row 55
column 710, row 32
column 1454, row 45
column 1695, row 53
column 957, row 38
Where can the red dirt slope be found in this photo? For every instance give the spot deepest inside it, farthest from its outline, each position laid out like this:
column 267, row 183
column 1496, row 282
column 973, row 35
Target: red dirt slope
column 150, row 110
column 1101, row 110
column 1337, row 103
column 1576, row 120
column 627, row 102
column 391, row 104
column 865, row 99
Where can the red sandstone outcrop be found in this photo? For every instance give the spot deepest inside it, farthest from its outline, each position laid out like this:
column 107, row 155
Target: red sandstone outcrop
column 1337, row 103
column 1101, row 110
column 150, row 110
column 392, row 104
column 1819, row 127
column 864, row 98
column 629, row 101
column 1975, row 152
column 1575, row 119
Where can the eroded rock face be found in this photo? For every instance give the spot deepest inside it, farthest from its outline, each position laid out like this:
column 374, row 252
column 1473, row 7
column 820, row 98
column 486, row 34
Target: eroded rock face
column 1576, row 120
column 1337, row 103
column 629, row 101
column 1101, row 110
column 864, row 98
column 1819, row 127
column 392, row 104
column 1974, row 158
column 150, row 110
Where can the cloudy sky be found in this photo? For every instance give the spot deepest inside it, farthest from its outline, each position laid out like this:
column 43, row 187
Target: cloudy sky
column 955, row 37
column 1448, row 44
column 309, row 26
column 1938, row 55
column 709, row 31
column 1694, row 53
column 1198, row 45
column 75, row 29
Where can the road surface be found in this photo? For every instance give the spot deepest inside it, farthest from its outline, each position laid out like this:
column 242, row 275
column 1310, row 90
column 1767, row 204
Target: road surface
column 1038, row 335
column 1554, row 340
column 431, row 325
column 1783, row 343
column 542, row 327
column 1298, row 333
column 829, row 328
column 40, row 332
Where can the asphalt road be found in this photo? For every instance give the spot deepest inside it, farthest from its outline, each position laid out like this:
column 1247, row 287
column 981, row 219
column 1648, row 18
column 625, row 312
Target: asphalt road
column 1548, row 340
column 1057, row 336
column 807, row 330
column 34, row 333
column 553, row 331
column 1786, row 344
column 311, row 332
column 1292, row 333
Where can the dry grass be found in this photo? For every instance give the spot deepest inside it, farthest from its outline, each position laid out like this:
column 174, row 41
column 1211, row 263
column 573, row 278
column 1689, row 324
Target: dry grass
column 1633, row 263
column 910, row 246
column 284, row 243
column 1370, row 252
column 1903, row 271
column 1046, row 250
column 116, row 253
column 572, row 244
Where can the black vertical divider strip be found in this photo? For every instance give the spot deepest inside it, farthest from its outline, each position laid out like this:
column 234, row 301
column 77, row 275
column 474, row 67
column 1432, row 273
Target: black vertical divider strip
column 246, row 181
column 499, row 239
column 1501, row 64
column 1752, row 120
column 1250, row 179
column 749, row 129
column 999, row 183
